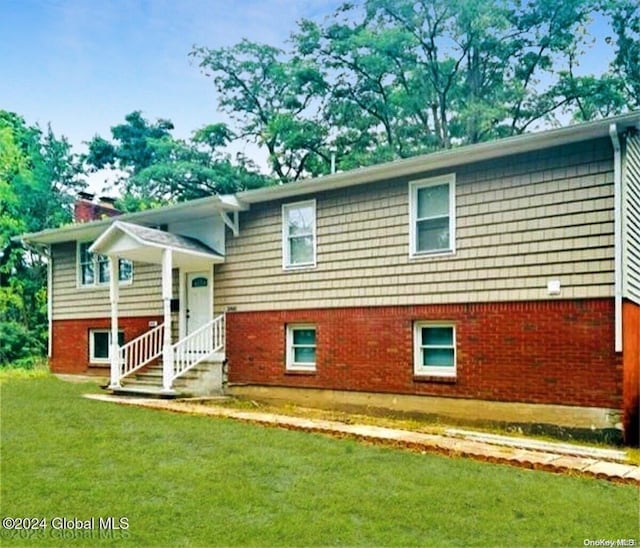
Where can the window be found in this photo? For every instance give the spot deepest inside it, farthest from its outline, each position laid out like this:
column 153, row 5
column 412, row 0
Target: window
column 434, row 349
column 299, row 235
column 301, row 348
column 100, row 345
column 94, row 269
column 432, row 214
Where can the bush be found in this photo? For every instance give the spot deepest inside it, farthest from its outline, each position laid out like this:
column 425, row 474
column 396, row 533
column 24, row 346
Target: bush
column 19, row 346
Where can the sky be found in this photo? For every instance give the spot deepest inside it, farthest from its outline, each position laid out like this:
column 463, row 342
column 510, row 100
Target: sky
column 82, row 65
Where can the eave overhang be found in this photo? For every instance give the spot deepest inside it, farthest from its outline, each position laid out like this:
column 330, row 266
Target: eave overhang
column 202, row 207
column 446, row 159
column 147, row 245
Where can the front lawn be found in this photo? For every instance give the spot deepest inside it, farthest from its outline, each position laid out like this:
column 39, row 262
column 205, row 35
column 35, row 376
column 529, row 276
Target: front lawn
column 189, row 480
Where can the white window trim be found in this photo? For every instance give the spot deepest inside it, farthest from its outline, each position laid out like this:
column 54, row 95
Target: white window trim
column 424, row 370
column 286, row 259
column 92, row 349
column 414, row 186
column 96, row 282
column 291, row 364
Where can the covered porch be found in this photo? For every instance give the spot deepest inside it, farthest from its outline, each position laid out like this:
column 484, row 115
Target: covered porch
column 201, row 336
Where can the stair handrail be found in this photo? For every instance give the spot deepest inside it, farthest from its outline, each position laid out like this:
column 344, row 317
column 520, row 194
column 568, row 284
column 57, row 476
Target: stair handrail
column 198, row 346
column 141, row 351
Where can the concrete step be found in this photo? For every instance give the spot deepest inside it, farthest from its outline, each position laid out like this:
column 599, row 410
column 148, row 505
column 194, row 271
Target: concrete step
column 144, row 391
column 156, row 376
column 202, row 380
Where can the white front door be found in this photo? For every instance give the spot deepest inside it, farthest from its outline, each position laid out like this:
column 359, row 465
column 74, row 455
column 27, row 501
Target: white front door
column 198, row 295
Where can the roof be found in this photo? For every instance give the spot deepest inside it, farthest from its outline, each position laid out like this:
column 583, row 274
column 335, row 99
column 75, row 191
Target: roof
column 140, row 243
column 201, row 207
column 400, row 168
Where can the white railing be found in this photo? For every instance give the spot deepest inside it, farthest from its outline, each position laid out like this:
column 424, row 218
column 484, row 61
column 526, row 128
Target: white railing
column 141, row 351
column 197, row 347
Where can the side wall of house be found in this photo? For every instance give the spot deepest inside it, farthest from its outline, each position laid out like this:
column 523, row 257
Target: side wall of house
column 631, row 219
column 78, row 310
column 550, row 352
column 142, row 297
column 521, row 221
column 70, row 342
column 631, row 289
column 631, row 375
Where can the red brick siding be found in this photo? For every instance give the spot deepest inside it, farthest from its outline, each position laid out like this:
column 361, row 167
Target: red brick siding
column 556, row 352
column 70, row 352
column 631, row 383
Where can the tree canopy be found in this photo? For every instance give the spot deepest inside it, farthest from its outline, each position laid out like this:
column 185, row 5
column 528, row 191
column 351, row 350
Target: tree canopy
column 38, row 181
column 158, row 167
column 385, row 79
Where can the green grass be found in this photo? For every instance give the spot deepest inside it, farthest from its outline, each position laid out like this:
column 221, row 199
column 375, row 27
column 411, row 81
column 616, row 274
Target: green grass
column 196, row 481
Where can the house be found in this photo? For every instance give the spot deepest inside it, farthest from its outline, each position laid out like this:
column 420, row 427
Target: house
column 499, row 281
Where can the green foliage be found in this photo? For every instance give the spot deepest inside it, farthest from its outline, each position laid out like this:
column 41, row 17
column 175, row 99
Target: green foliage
column 157, row 168
column 385, row 79
column 38, row 178
column 18, row 345
column 268, row 487
column 274, row 99
column 625, row 18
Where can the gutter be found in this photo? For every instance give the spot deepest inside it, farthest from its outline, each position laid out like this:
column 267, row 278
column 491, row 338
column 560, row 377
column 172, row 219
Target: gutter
column 617, row 233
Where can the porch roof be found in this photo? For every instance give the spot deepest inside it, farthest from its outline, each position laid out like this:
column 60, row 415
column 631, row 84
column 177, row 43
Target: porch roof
column 144, row 244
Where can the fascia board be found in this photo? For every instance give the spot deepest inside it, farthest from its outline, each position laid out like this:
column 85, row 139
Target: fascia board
column 442, row 160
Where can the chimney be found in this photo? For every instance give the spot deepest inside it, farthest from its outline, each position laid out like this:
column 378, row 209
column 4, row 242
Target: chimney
column 107, row 201
column 86, row 210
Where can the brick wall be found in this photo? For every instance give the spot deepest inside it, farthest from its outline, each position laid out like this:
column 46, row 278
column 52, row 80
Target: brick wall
column 556, row 352
column 631, row 357
column 70, row 351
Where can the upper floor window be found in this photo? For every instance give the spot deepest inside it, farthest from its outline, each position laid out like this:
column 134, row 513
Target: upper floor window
column 93, row 269
column 299, row 235
column 432, row 213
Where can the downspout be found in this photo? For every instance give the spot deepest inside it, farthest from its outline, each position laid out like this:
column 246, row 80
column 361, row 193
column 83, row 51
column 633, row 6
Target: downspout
column 49, row 301
column 617, row 234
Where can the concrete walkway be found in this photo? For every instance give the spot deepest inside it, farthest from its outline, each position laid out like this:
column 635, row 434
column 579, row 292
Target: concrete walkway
column 552, row 457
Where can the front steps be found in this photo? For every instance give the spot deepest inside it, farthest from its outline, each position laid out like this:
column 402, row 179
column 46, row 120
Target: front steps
column 205, row 379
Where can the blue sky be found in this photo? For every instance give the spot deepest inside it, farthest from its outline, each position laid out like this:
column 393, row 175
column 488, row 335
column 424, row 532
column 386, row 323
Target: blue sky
column 83, row 64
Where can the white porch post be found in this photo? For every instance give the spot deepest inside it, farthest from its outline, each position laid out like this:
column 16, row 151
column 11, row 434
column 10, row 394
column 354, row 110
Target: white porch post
column 167, row 290
column 114, row 272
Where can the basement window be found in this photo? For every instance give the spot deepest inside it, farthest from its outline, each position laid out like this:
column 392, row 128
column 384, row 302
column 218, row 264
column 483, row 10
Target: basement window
column 434, row 349
column 301, row 347
column 100, row 345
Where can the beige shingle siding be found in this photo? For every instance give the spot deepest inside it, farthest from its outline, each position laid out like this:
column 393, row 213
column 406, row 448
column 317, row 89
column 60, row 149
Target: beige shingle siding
column 631, row 220
column 520, row 222
column 141, row 298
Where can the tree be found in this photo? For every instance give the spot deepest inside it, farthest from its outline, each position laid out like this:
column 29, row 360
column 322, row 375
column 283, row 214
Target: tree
column 385, row 79
column 156, row 168
column 275, row 101
column 38, row 181
column 625, row 20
